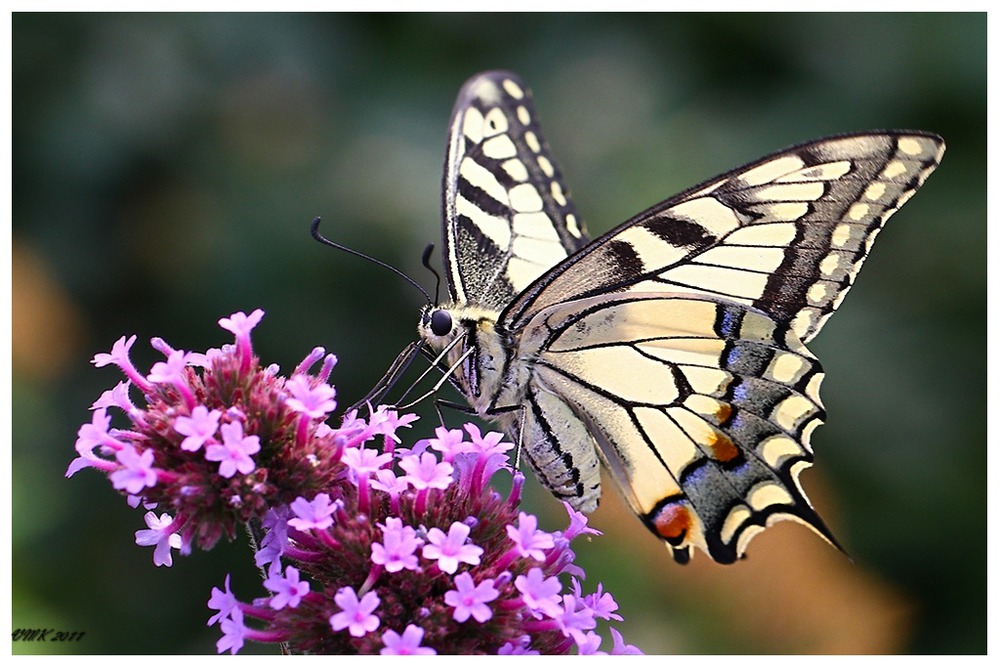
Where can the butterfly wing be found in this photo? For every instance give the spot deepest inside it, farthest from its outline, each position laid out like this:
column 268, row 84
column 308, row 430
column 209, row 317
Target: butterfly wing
column 785, row 235
column 671, row 348
column 676, row 340
column 701, row 409
column 507, row 216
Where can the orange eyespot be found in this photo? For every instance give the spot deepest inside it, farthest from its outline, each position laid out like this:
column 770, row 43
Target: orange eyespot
column 672, row 522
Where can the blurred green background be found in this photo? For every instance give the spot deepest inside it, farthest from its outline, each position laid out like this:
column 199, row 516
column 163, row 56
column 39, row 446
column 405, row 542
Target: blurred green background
column 166, row 168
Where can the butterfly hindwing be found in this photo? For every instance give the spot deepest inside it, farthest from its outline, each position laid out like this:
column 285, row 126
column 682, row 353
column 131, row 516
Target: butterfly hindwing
column 707, row 430
column 508, row 216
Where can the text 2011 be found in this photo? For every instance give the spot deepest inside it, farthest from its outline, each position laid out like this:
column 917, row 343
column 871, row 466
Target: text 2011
column 45, row 635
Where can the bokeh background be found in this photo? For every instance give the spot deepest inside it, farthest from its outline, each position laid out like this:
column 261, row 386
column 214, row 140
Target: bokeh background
column 166, row 168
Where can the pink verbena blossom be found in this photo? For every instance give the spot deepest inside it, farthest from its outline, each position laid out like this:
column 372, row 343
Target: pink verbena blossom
column 366, row 544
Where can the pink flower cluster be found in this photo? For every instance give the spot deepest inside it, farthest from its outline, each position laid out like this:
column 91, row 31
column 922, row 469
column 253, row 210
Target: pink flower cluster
column 219, row 442
column 369, row 547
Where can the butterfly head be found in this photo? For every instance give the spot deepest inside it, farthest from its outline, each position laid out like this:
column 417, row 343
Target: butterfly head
column 441, row 324
column 440, row 328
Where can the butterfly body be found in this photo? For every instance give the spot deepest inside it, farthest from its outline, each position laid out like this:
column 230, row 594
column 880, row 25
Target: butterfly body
column 670, row 351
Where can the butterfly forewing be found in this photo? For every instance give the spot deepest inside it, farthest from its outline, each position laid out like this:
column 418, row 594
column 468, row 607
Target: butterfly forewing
column 508, row 216
column 786, row 235
column 670, row 349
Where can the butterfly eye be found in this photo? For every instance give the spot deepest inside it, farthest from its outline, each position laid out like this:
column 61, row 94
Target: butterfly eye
column 441, row 322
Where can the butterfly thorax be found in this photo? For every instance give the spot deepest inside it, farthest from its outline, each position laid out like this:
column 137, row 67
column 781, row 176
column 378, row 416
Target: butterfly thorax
column 497, row 372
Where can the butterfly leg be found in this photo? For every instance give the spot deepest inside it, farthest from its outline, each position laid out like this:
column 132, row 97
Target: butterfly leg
column 440, row 383
column 452, row 405
column 500, row 415
column 388, row 381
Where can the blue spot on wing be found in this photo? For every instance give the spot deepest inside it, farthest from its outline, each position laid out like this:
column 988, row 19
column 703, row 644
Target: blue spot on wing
column 729, row 322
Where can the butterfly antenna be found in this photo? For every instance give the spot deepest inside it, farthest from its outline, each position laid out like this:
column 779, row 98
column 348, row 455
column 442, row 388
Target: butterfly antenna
column 322, row 239
column 426, row 261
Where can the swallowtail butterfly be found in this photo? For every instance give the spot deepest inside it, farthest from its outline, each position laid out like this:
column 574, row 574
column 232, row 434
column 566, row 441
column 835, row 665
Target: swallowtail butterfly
column 671, row 350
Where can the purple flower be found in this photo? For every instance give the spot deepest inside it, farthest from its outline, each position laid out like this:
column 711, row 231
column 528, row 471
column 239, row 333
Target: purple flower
column 288, row 589
column 450, row 443
column 223, row 602
column 88, row 460
column 96, row 434
column 450, row 550
column 355, row 615
column 161, row 535
column 119, row 357
column 275, row 539
column 385, row 421
column 387, row 481
column 620, row 647
column 470, row 599
column 351, row 425
column 240, row 325
column 198, row 428
column 90, row 436
column 406, row 644
column 539, row 592
column 488, row 444
column 235, row 450
column 232, row 632
column 364, row 461
column 397, row 549
column 575, row 618
column 577, row 524
column 589, row 643
column 481, row 459
column 315, row 402
column 425, row 472
column 118, row 398
column 198, row 360
column 170, row 371
column 519, row 647
column 317, row 514
column 137, row 470
column 529, row 541
column 310, row 359
column 561, row 557
column 328, row 363
column 602, row 604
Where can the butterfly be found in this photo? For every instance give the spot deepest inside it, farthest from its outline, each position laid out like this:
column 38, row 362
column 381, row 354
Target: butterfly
column 669, row 351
